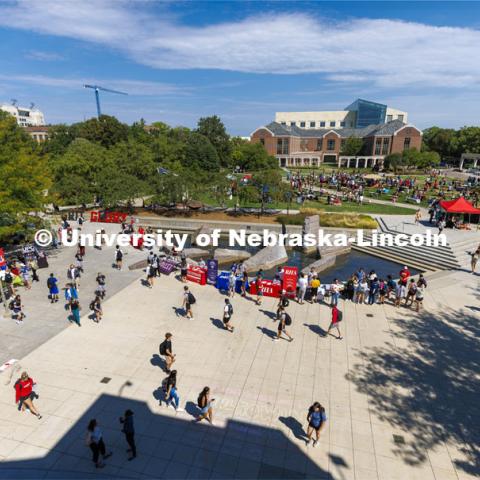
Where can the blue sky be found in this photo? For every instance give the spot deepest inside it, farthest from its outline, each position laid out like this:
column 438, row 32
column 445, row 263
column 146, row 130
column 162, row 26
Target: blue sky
column 241, row 60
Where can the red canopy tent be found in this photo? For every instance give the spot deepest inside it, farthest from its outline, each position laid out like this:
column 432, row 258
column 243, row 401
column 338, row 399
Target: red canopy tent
column 459, row 205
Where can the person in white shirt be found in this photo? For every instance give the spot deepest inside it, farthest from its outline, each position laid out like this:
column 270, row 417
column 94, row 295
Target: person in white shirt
column 302, row 284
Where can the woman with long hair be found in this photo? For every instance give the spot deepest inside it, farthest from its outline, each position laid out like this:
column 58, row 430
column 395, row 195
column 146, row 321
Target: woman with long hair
column 95, row 441
column 205, row 405
column 316, row 418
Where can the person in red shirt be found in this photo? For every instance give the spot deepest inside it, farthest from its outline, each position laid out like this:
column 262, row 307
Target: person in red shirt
column 336, row 319
column 24, row 394
column 404, row 274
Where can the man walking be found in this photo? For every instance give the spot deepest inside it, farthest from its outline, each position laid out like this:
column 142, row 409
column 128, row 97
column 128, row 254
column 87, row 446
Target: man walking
column 129, row 431
column 118, row 258
column 336, row 319
column 166, row 351
column 188, row 301
column 284, row 320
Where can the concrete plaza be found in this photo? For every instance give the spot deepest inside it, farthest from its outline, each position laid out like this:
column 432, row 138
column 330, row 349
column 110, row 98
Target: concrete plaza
column 400, row 390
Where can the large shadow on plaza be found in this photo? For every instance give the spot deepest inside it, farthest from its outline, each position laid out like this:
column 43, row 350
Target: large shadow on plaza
column 171, row 447
column 429, row 388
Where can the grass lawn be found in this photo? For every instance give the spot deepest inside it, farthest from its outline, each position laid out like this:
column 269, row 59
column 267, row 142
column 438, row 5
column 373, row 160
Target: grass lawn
column 364, row 208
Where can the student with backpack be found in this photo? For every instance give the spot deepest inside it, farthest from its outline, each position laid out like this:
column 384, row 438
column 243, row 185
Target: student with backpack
column 75, row 310
column 316, row 419
column 205, row 404
column 166, row 351
column 118, row 258
column 337, row 317
column 284, row 320
column 171, row 394
column 96, row 307
column 150, row 275
column 282, row 302
column 227, row 315
column 101, row 281
column 188, row 301
column 52, row 288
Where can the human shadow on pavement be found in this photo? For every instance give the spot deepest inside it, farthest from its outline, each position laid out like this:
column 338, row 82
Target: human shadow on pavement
column 295, row 426
column 427, row 384
column 218, row 323
column 269, row 314
column 179, row 311
column 317, row 329
column 158, row 361
column 267, row 332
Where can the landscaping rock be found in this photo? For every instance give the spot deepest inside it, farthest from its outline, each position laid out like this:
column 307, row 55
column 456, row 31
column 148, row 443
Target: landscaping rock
column 203, row 229
column 196, row 252
column 311, row 225
column 227, row 255
column 138, row 265
column 267, row 258
column 321, row 265
column 329, row 251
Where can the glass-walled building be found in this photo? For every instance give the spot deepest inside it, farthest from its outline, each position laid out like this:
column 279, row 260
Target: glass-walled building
column 367, row 113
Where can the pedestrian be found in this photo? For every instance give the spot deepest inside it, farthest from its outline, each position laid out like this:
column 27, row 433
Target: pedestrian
column 183, row 270
column 391, row 286
column 335, row 289
column 231, row 284
column 9, row 282
column 205, row 404
column 33, row 265
column 259, row 285
column 188, row 301
column 411, row 292
column 129, row 430
column 382, row 290
column 165, row 349
column 158, row 261
column 96, row 307
column 171, row 394
column 75, row 309
column 24, row 394
column 474, row 260
column 118, row 258
column 243, row 286
column 79, row 261
column 418, row 216
column 95, row 441
column 302, row 288
column 150, row 275
column 419, row 298
column 72, row 275
column 337, row 317
column 422, row 282
column 441, row 225
column 373, row 291
column 400, row 292
column 101, row 282
column 17, row 310
column 227, row 315
column 316, row 419
column 284, row 320
column 314, row 286
column 25, row 273
column 52, row 288
column 362, row 290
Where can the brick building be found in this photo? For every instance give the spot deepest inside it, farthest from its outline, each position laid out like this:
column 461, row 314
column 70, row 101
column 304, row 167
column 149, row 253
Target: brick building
column 301, row 147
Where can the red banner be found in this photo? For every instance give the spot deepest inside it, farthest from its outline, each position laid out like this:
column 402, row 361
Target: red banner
column 3, row 262
column 290, row 277
column 108, row 217
column 269, row 288
column 197, row 275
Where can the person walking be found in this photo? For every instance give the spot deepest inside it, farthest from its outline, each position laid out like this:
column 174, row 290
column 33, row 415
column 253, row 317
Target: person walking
column 75, row 310
column 52, row 288
column 316, row 419
column 411, row 292
column 73, row 275
column 188, row 301
column 128, row 429
column 101, row 285
column 314, row 286
column 33, row 265
column 96, row 307
column 25, row 274
column 227, row 315
column 16, row 307
column 284, row 320
column 232, row 279
column 94, row 440
column 335, row 289
column 474, row 260
column 418, row 298
column 171, row 394
column 79, row 261
column 243, row 286
column 205, row 404
column 418, row 216
column 373, row 291
column 118, row 258
column 302, row 288
column 183, row 270
column 24, row 394
column 150, row 275
column 166, row 351
column 259, row 285
column 337, row 317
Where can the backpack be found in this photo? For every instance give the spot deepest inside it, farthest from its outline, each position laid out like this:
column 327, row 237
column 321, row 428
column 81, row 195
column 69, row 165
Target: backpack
column 50, row 282
column 285, row 302
column 191, row 298
column 339, row 316
column 163, row 348
column 92, row 305
column 8, row 278
column 288, row 319
column 119, row 255
column 11, row 305
column 230, row 309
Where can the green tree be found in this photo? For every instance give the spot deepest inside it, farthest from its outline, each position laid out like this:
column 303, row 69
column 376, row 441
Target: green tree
column 200, row 154
column 59, row 138
column 440, row 140
column 467, row 140
column 213, row 128
column 428, row 160
column 352, row 146
column 24, row 178
column 251, row 156
column 394, row 161
column 105, row 130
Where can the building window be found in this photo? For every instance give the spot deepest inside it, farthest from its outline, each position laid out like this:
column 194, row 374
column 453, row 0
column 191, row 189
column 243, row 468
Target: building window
column 319, row 144
column 400, row 117
column 312, row 124
column 386, row 144
column 322, row 124
column 284, row 123
column 389, row 118
column 378, row 146
column 282, row 146
column 293, row 124
column 331, row 144
column 342, row 124
column 406, row 143
column 332, row 124
column 262, row 141
column 302, row 124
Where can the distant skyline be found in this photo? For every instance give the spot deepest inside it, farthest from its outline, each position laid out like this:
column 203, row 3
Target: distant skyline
column 242, row 61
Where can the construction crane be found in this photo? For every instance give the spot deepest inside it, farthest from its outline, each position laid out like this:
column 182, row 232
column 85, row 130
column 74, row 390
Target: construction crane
column 97, row 94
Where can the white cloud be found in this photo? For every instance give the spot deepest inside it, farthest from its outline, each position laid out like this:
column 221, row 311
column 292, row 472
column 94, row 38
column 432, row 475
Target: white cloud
column 381, row 52
column 44, row 56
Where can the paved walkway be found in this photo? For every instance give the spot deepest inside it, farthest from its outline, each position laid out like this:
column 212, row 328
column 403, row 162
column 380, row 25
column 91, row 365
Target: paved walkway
column 400, row 390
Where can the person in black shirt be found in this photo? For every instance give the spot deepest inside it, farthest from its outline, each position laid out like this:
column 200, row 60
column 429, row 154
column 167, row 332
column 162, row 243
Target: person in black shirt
column 166, row 351
column 129, row 431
